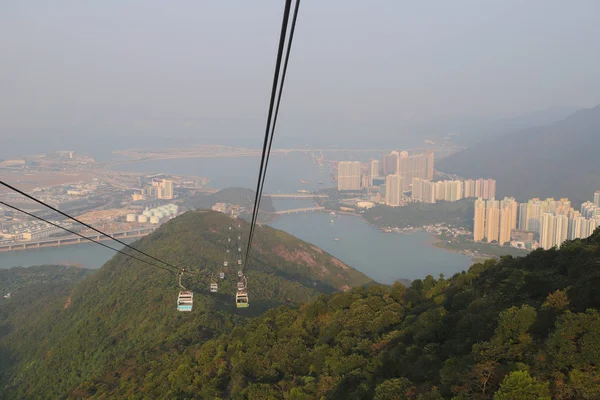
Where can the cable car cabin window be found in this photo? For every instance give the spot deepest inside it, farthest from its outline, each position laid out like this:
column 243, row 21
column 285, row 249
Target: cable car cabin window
column 185, row 300
column 214, row 287
column 241, row 300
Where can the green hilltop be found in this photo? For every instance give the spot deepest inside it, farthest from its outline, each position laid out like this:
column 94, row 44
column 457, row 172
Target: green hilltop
column 54, row 337
column 516, row 328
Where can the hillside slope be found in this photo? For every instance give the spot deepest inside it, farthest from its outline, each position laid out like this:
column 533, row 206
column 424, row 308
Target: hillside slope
column 518, row 328
column 558, row 160
column 124, row 315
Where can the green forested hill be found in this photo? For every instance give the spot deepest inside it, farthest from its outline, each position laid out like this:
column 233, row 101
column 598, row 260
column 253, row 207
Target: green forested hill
column 518, row 328
column 123, row 317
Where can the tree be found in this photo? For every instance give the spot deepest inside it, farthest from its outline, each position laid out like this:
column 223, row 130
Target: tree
column 557, row 300
column 520, row 385
column 395, row 389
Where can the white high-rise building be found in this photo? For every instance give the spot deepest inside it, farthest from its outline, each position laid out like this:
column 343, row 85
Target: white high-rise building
column 479, row 220
column 393, row 190
column 547, row 231
column 522, row 217
column 561, row 230
column 374, row 171
column 492, row 220
column 349, row 175
column 165, row 189
column 508, row 213
column 470, row 188
column 597, row 198
column 423, row 190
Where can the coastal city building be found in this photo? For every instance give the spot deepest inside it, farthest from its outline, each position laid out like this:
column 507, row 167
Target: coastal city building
column 374, row 171
column 479, row 220
column 389, row 163
column 348, row 175
column 415, row 166
column 492, row 220
column 165, row 189
column 423, row 190
column 393, row 190
column 549, row 221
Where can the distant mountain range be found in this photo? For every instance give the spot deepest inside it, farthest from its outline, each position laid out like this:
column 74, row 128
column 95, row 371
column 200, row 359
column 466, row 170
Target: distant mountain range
column 557, row 160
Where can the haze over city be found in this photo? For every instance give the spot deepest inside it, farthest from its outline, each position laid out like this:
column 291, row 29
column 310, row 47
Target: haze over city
column 389, row 68
column 408, row 207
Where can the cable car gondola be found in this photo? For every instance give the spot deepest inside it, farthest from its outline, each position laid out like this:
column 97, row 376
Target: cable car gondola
column 241, row 297
column 185, row 300
column 221, row 275
column 241, row 300
column 214, row 287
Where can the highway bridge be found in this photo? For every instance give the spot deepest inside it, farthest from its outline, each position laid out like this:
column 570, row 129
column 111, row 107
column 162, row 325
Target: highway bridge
column 298, row 210
column 68, row 240
column 295, row 195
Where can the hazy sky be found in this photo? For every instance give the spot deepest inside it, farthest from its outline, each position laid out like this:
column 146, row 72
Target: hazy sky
column 135, row 67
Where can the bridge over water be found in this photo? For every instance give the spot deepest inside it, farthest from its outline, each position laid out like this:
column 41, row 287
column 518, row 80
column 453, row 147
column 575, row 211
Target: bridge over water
column 68, row 240
column 295, row 195
column 299, row 210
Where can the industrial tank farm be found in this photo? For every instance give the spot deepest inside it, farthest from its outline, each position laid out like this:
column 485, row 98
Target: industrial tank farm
column 154, row 215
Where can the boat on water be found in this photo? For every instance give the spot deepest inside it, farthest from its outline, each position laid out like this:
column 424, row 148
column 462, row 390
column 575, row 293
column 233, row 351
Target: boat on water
column 332, row 213
column 336, row 239
column 331, row 221
column 303, row 191
column 303, row 181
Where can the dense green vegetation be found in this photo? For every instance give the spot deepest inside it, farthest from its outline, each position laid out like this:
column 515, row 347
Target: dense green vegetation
column 514, row 328
column 124, row 315
column 457, row 213
column 461, row 243
column 519, row 328
column 19, row 278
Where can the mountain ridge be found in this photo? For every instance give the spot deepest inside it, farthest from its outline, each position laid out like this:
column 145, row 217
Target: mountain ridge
column 127, row 309
column 557, row 160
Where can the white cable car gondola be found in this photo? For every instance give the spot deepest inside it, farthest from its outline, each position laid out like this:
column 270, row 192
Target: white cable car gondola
column 221, row 275
column 241, row 297
column 224, row 263
column 214, row 287
column 240, row 273
column 239, row 262
column 185, row 300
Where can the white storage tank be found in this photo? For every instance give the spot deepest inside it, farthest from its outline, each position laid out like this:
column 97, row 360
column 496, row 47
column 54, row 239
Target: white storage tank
column 159, row 214
column 130, row 218
column 142, row 219
column 147, row 213
column 154, row 220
